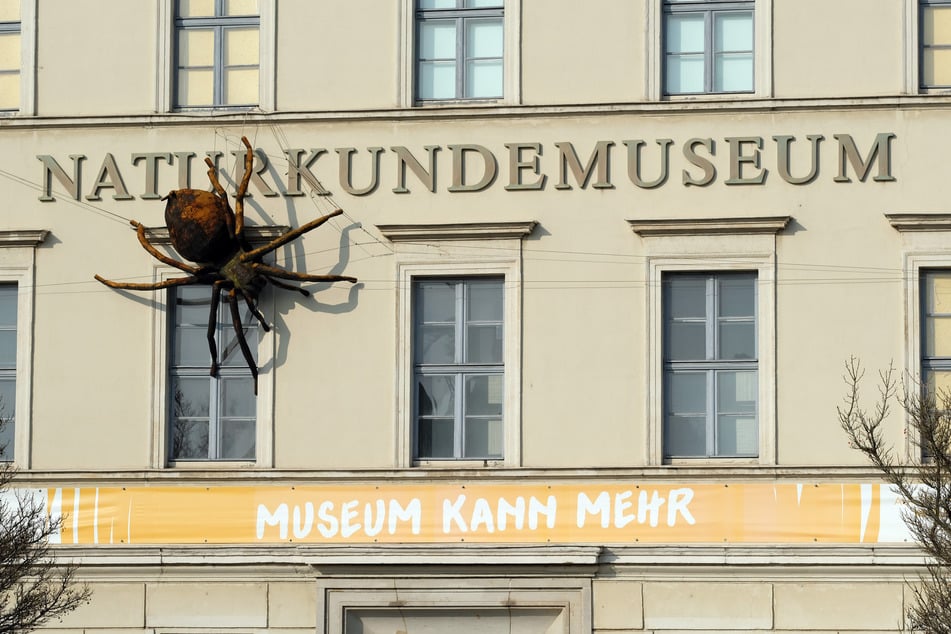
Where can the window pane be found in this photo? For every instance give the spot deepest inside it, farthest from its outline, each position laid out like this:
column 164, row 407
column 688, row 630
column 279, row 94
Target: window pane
column 733, row 32
column 192, row 306
column 684, row 74
column 938, row 292
column 195, row 8
column 8, row 305
column 189, row 439
column 733, row 73
column 938, row 337
column 484, row 395
column 938, row 382
column 736, row 392
column 237, row 440
column 8, row 348
column 484, row 38
column 241, row 47
column 191, row 397
column 686, row 392
column 737, row 341
column 685, row 296
column 241, row 7
column 436, row 302
column 685, row 341
column 685, row 436
column 7, row 416
column 9, row 91
column 437, row 4
column 484, row 344
column 9, row 10
column 237, row 396
column 196, row 47
column 684, row 33
column 436, row 438
column 436, row 344
column 437, row 39
column 485, row 301
column 195, row 88
column 191, row 347
column 484, row 79
column 436, row 396
column 936, row 67
column 737, row 296
column 240, row 86
column 936, row 25
column 437, row 80
column 482, row 4
column 483, row 438
column 737, row 436
column 10, row 51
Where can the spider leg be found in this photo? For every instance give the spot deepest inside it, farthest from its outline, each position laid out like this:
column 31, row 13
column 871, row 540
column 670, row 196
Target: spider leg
column 287, row 237
column 158, row 255
column 213, row 325
column 254, row 310
column 239, row 332
column 274, row 271
column 243, row 190
column 154, row 286
column 289, row 287
column 213, row 177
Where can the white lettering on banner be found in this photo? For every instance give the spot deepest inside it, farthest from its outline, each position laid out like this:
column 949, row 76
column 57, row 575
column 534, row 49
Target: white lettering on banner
column 332, row 522
column 648, row 508
column 482, row 516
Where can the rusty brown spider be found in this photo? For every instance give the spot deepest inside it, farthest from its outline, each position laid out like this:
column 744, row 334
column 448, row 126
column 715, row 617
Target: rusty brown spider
column 204, row 230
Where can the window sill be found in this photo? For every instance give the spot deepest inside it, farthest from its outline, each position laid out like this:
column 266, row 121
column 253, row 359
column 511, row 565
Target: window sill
column 443, row 103
column 711, row 461
column 488, row 463
column 186, row 465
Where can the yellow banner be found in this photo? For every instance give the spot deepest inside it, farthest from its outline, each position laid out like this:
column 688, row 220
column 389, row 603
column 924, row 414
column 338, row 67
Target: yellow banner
column 576, row 513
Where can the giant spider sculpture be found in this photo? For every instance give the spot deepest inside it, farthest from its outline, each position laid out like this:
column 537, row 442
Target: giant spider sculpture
column 204, row 230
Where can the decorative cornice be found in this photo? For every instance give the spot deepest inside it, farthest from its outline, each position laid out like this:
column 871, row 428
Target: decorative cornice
column 709, row 226
column 23, row 238
column 920, row 222
column 159, row 235
column 458, row 231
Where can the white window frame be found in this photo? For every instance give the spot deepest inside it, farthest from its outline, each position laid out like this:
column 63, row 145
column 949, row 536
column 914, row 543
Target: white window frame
column 511, row 60
column 457, row 251
column 711, row 245
column 18, row 265
column 654, row 55
column 915, row 50
column 165, row 56
column 925, row 245
column 264, row 421
column 27, row 61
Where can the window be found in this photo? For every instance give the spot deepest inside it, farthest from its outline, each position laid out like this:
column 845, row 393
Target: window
column 459, row 49
column 210, row 419
column 710, row 365
column 936, row 330
column 217, row 53
column 10, row 55
column 8, row 368
column 708, row 46
column 459, row 368
column 935, row 37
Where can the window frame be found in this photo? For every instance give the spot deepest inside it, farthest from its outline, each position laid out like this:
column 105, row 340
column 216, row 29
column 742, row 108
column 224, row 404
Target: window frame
column 26, row 27
column 166, row 67
column 18, row 266
column 161, row 388
column 511, row 64
column 707, row 245
column 920, row 46
column 456, row 251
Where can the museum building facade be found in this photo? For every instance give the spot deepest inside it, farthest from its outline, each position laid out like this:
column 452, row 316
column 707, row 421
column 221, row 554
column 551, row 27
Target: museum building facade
column 610, row 261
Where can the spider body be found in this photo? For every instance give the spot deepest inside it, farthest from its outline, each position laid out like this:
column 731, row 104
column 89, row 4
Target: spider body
column 206, row 231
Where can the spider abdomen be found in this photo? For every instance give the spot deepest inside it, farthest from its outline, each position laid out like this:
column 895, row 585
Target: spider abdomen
column 201, row 225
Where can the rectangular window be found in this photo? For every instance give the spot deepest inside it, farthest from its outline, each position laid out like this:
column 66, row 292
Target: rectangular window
column 458, row 368
column 708, row 46
column 210, row 419
column 217, row 53
column 459, row 49
column 10, row 55
column 8, row 368
column 710, row 365
column 935, row 37
column 936, row 331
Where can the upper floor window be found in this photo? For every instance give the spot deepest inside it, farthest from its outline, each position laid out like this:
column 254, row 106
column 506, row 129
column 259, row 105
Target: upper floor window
column 8, row 368
column 710, row 365
column 708, row 46
column 10, row 55
column 459, row 49
column 209, row 419
column 217, row 53
column 935, row 43
column 459, row 368
column 936, row 331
